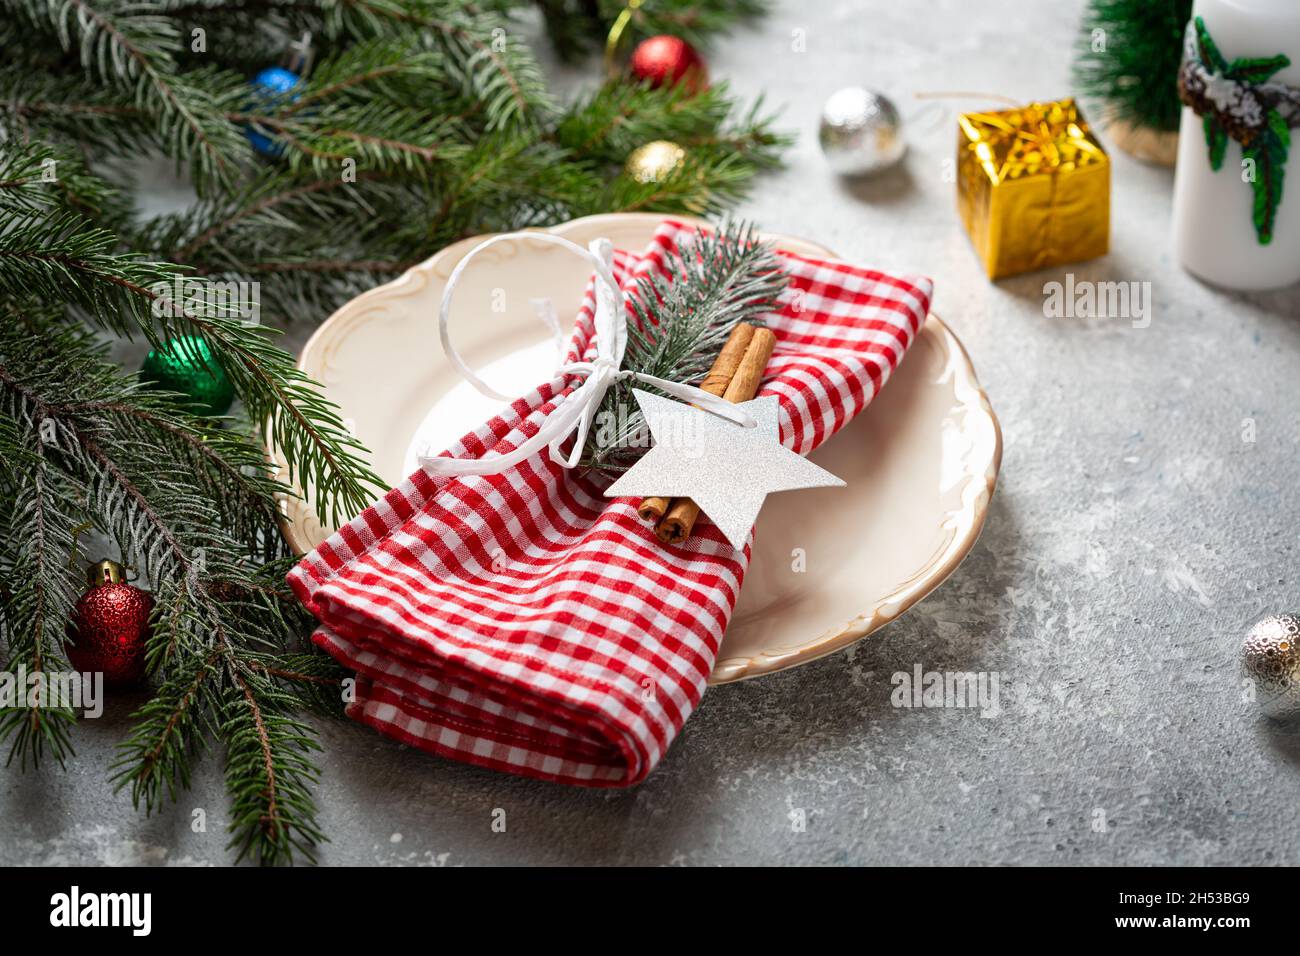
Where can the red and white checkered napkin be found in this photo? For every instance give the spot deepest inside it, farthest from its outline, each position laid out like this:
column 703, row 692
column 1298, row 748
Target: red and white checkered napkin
column 522, row 621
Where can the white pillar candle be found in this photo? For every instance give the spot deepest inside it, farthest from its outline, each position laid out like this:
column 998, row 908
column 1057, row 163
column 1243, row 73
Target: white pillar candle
column 1214, row 230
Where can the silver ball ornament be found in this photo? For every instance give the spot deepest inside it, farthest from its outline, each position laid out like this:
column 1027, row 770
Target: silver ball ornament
column 861, row 132
column 1270, row 657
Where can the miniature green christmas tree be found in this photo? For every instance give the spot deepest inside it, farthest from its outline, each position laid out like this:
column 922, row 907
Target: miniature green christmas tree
column 1127, row 62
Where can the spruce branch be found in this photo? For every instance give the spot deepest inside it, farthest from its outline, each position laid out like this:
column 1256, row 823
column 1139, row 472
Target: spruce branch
column 269, row 772
column 702, row 186
column 725, row 147
column 422, row 122
column 214, row 607
column 36, row 524
column 129, row 45
column 618, row 117
column 59, row 259
column 310, row 243
column 71, row 111
column 680, row 320
column 481, row 53
column 316, row 677
column 227, row 466
column 157, row 759
column 362, row 105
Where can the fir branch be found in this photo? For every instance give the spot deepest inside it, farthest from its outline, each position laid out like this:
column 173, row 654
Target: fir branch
column 681, row 318
column 269, row 773
column 246, row 36
column 157, row 759
column 1256, row 118
column 213, row 607
column 38, row 180
column 316, row 677
column 703, row 185
column 492, row 66
column 59, row 260
column 323, row 457
column 25, row 180
column 72, row 111
column 618, row 117
column 130, row 45
column 227, row 467
column 444, row 111
column 508, row 181
column 37, row 524
column 310, row 244
column 725, row 148
column 358, row 106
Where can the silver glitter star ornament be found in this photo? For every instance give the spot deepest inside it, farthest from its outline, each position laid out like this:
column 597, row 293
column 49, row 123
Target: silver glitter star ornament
column 727, row 469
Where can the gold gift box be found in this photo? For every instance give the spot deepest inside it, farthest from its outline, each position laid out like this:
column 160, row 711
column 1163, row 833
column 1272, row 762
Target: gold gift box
column 1033, row 187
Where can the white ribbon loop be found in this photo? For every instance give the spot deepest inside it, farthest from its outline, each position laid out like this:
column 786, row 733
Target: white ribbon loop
column 576, row 411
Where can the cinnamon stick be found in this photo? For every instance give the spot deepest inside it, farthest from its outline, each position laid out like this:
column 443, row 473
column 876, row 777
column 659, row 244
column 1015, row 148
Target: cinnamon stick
column 744, row 384
column 679, row 521
column 728, row 360
column 715, row 383
column 653, row 508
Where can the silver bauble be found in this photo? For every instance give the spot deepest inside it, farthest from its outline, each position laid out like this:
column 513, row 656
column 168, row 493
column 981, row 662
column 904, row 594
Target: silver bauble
column 861, row 132
column 1270, row 657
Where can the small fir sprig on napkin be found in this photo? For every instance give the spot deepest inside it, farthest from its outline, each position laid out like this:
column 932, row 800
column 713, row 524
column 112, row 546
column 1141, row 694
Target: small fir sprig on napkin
column 680, row 320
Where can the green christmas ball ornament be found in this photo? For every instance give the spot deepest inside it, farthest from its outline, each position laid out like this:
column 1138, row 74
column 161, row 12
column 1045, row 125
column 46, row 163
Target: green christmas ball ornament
column 186, row 364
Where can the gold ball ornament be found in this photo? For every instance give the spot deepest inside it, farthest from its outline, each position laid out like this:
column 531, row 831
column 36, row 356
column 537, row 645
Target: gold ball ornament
column 656, row 161
column 1270, row 658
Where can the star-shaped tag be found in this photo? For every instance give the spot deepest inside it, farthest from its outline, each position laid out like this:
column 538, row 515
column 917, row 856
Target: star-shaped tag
column 726, row 468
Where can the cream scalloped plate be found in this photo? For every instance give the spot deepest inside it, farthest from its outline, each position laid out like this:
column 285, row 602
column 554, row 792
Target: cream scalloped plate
column 829, row 566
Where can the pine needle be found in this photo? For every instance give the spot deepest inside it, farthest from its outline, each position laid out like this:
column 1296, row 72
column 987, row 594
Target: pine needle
column 681, row 319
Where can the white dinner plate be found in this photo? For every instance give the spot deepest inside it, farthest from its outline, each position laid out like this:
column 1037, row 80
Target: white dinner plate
column 829, row 565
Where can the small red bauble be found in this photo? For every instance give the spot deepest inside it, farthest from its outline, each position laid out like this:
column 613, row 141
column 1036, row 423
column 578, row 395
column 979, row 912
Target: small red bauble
column 110, row 626
column 669, row 61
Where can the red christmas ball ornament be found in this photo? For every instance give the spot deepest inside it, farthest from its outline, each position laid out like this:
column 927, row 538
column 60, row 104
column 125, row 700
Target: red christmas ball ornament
column 110, row 626
column 669, row 61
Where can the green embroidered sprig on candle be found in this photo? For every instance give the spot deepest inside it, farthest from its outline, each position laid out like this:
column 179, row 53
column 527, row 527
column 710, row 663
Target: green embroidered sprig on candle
column 1239, row 100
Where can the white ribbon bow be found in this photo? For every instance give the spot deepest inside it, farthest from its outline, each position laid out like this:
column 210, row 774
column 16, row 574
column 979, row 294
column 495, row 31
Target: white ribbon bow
column 575, row 411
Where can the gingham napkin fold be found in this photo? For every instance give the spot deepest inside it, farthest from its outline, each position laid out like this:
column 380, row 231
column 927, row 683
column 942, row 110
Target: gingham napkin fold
column 523, row 622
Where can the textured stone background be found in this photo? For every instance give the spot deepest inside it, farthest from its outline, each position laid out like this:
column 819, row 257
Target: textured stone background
column 1133, row 538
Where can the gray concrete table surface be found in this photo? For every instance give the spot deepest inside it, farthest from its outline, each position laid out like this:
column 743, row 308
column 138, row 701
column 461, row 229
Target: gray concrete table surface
column 1134, row 537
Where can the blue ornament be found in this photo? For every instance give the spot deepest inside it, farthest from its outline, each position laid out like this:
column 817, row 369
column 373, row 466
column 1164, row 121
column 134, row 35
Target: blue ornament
column 272, row 83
